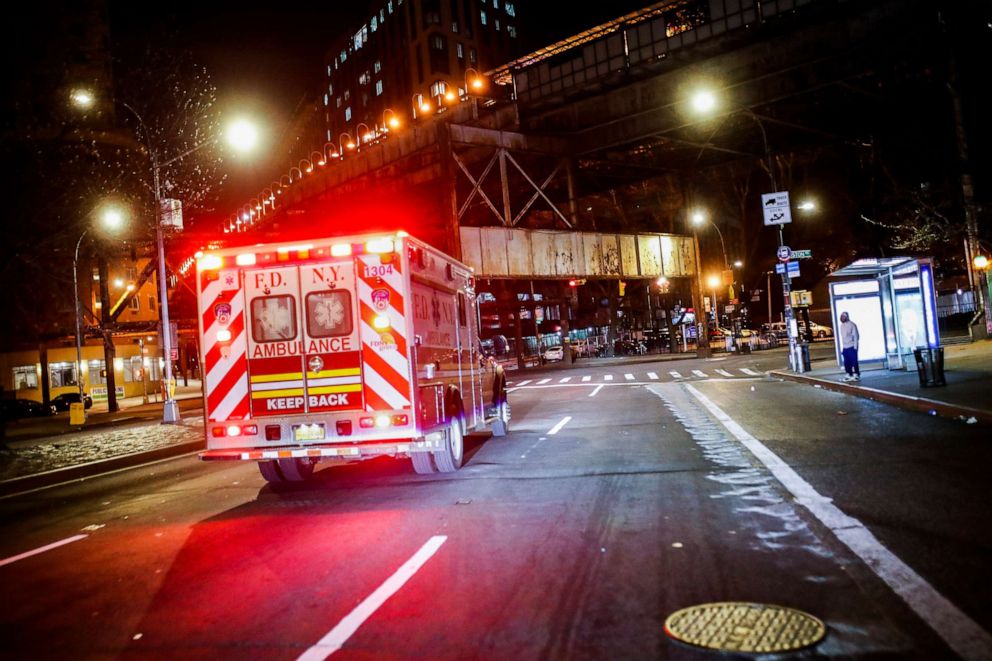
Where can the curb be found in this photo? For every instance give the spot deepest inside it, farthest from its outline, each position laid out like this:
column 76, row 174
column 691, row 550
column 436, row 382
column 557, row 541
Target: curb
column 19, row 485
column 908, row 402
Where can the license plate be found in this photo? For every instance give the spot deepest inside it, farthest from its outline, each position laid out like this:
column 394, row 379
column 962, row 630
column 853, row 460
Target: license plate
column 314, row 432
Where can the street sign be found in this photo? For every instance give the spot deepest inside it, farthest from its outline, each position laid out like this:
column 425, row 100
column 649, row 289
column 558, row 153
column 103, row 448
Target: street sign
column 802, row 254
column 775, row 207
column 793, row 269
column 784, row 253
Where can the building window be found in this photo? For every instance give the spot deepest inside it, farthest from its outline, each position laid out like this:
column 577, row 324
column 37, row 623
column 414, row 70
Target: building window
column 512, row 31
column 337, row 102
column 472, row 56
column 132, row 273
column 132, row 369
column 482, row 17
column 347, row 114
column 438, row 42
column 374, row 24
column 365, row 78
column 389, row 6
column 438, row 88
column 495, row 4
column 510, row 10
column 344, row 56
column 326, row 100
column 25, row 377
column 378, row 88
column 460, row 51
column 432, row 18
column 135, row 304
column 497, row 24
column 328, row 70
column 62, row 374
column 382, row 16
column 454, row 26
column 151, row 303
column 347, row 95
column 377, row 67
column 97, row 372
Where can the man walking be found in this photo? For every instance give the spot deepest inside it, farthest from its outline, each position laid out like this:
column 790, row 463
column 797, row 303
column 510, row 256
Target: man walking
column 849, row 347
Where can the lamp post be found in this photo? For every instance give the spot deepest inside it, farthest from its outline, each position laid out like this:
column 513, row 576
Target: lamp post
column 390, row 120
column 113, row 219
column 699, row 217
column 420, row 105
column 704, row 102
column 366, row 137
column 240, row 134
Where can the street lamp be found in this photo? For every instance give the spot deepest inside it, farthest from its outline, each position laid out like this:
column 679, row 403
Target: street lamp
column 242, row 136
column 714, row 281
column 698, row 217
column 113, row 219
column 419, row 104
column 366, row 137
column 704, row 101
column 475, row 82
column 393, row 121
column 348, row 144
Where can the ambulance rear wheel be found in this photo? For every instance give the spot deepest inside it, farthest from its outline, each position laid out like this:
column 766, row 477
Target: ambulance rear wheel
column 286, row 470
column 422, row 463
column 449, row 458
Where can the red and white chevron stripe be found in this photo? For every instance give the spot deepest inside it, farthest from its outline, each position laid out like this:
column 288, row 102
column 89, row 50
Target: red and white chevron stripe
column 225, row 364
column 384, row 351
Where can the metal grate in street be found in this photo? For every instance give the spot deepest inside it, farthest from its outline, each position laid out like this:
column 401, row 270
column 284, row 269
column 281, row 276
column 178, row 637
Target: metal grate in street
column 745, row 627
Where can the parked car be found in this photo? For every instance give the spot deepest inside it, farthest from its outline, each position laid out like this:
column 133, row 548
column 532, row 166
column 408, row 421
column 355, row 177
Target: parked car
column 63, row 401
column 776, row 328
column 14, row 409
column 818, row 330
column 554, row 353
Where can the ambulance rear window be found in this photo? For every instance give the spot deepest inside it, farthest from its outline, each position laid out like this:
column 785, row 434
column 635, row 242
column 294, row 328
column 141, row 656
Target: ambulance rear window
column 273, row 318
column 329, row 313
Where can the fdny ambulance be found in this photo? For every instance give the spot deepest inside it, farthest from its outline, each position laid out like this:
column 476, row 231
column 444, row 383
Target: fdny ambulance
column 342, row 348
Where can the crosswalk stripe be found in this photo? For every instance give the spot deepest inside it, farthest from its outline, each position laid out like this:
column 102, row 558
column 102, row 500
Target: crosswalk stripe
column 586, row 378
column 676, row 374
column 652, row 375
column 699, row 373
column 724, row 373
column 543, row 381
column 629, row 377
column 566, row 379
column 608, row 377
column 751, row 372
column 523, row 383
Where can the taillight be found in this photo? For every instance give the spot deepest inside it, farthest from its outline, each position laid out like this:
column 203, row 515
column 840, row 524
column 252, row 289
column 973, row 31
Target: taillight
column 366, row 423
column 400, row 420
column 343, row 427
column 273, row 433
column 234, row 430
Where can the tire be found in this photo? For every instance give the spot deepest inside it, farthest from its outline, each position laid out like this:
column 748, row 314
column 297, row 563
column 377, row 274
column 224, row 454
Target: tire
column 821, row 334
column 449, row 458
column 286, row 470
column 422, row 463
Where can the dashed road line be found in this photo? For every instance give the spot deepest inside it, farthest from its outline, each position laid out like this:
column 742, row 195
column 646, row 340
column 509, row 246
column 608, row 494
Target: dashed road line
column 653, row 376
column 565, row 380
column 608, row 377
column 629, row 377
column 48, row 547
column 523, row 383
column 724, row 373
column 596, row 390
column 586, row 379
column 339, row 635
column 699, row 373
column 557, row 428
column 751, row 372
column 675, row 374
column 543, row 381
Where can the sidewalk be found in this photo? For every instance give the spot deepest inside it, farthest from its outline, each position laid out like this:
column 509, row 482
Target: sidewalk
column 967, row 369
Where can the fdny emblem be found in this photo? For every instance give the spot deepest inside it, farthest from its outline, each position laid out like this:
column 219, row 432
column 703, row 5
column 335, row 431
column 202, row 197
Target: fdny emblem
column 223, row 313
column 380, row 299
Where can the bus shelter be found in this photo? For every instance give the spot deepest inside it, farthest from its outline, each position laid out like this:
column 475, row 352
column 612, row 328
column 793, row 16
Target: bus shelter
column 893, row 302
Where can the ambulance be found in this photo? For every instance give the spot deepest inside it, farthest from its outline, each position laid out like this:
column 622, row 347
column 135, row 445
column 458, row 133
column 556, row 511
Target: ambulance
column 343, row 349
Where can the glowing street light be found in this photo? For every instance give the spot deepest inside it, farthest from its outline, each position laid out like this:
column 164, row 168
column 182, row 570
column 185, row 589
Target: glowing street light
column 703, row 101
column 82, row 98
column 390, row 119
column 242, row 135
column 806, row 205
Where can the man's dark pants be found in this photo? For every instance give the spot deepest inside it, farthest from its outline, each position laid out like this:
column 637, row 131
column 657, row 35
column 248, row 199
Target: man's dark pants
column 851, row 361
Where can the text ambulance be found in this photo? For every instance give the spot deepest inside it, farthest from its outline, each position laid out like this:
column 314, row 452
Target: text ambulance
column 342, row 349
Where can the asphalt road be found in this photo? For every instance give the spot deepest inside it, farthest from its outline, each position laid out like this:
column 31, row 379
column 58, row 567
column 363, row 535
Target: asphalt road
column 611, row 504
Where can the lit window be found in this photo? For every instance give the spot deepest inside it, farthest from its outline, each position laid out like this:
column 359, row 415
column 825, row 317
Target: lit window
column 378, row 88
column 495, row 4
column 382, row 15
column 61, row 374
column 327, row 100
column 471, row 55
column 377, row 67
column 389, row 6
column 438, row 88
column 374, row 24
column 497, row 25
column 482, row 16
column 510, row 10
column 512, row 31
column 337, row 102
column 330, row 88
column 347, row 114
column 454, row 26
column 347, row 95
column 344, row 56
column 25, row 377
column 460, row 50
column 328, row 70
column 437, row 42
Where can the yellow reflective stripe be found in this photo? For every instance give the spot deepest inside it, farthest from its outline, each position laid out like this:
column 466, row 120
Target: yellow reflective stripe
column 356, row 371
column 265, row 378
column 326, row 390
column 265, row 394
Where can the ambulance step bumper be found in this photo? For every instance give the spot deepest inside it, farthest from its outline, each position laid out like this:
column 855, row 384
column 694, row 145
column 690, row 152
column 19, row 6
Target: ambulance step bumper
column 346, row 452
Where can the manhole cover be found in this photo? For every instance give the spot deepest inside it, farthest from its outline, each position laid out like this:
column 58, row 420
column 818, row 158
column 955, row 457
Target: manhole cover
column 744, row 627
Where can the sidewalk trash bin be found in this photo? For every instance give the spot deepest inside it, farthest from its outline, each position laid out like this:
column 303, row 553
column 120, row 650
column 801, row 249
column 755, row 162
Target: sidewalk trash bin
column 930, row 367
column 804, row 353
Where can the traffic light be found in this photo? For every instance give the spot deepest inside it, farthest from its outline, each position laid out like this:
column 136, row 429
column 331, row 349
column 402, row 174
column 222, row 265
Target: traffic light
column 622, row 287
column 575, row 282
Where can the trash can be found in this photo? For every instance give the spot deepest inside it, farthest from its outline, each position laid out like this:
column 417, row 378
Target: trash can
column 930, row 367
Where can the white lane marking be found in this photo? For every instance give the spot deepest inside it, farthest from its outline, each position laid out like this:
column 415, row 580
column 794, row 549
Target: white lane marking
column 340, row 634
column 959, row 631
column 566, row 379
column 676, row 374
column 724, row 373
column 557, row 428
column 596, row 390
column 48, row 547
column 523, row 383
column 629, row 377
column 652, row 375
column 543, row 381
column 699, row 373
column 586, row 379
column 748, row 370
column 536, row 443
column 608, row 377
